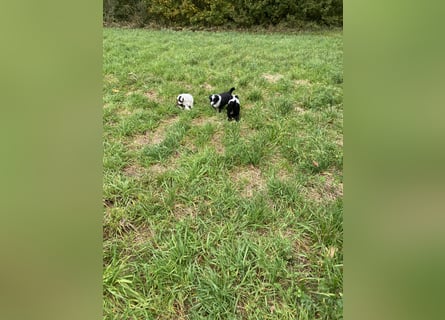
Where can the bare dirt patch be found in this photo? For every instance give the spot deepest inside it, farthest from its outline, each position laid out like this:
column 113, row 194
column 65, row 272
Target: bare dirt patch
column 141, row 140
column 181, row 210
column 249, row 179
column 301, row 249
column 245, row 130
column 207, row 86
column 217, row 139
column 281, row 167
column 158, row 169
column 181, row 310
column 299, row 109
column 134, row 170
column 124, row 112
column 142, row 234
column 326, row 191
column 272, row 78
column 200, row 121
column 217, row 142
column 246, row 106
column 188, row 87
column 153, row 137
column 151, row 95
column 188, row 143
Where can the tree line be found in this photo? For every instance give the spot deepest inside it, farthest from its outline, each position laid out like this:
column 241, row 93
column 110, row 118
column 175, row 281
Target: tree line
column 224, row 13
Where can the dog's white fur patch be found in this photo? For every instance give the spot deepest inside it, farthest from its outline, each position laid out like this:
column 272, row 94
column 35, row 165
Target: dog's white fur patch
column 185, row 101
column 234, row 99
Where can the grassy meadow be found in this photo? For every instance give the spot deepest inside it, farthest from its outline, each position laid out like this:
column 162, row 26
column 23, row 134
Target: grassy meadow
column 210, row 219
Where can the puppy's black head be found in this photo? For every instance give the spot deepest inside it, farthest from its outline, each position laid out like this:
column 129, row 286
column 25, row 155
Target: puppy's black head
column 179, row 101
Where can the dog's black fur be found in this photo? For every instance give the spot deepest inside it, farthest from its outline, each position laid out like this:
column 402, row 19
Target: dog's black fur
column 233, row 108
column 220, row 100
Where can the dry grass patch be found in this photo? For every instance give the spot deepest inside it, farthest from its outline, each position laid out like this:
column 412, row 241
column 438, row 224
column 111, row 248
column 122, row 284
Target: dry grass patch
column 141, row 140
column 111, row 78
column 181, row 310
column 201, row 121
column 249, row 180
column 272, row 78
column 217, row 138
column 197, row 122
column 159, row 133
column 158, row 169
column 116, row 227
column 152, row 95
column 142, row 234
column 245, row 129
column 301, row 250
column 281, row 167
column 299, row 109
column 302, row 82
column 153, row 137
column 331, row 252
column 181, row 211
column 187, row 142
column 339, row 142
column 217, row 142
column 188, row 87
column 124, row 112
column 326, row 191
column 129, row 93
column 134, row 170
column 207, row 87
column 246, row 106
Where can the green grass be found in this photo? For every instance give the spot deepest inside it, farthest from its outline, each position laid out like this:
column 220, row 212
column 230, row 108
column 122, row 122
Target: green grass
column 210, row 219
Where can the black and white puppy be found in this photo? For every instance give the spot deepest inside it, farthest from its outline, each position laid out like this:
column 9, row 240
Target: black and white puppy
column 219, row 101
column 185, row 101
column 233, row 108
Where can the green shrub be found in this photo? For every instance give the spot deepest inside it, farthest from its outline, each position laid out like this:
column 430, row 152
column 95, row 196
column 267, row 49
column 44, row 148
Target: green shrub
column 226, row 13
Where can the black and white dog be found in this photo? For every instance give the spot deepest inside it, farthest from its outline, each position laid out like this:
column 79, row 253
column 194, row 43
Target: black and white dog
column 233, row 108
column 185, row 101
column 219, row 101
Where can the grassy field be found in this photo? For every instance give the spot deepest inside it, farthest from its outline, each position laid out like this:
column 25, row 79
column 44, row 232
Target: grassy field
column 210, row 219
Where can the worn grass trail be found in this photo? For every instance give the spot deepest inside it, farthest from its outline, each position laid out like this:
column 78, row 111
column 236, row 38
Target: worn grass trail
column 210, row 219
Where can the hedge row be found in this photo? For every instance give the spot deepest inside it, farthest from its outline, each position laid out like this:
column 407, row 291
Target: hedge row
column 225, row 13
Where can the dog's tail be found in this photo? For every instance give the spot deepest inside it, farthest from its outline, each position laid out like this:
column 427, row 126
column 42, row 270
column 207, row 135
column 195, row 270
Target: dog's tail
column 231, row 90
